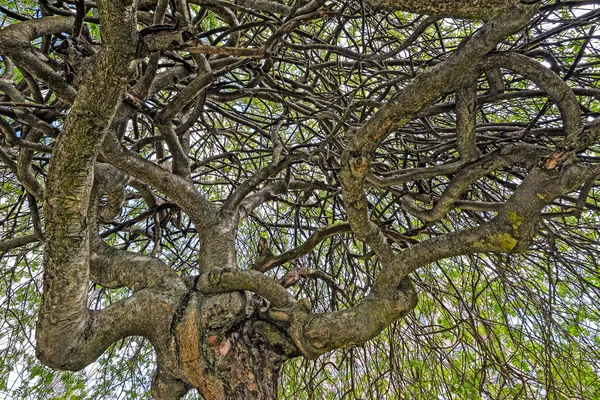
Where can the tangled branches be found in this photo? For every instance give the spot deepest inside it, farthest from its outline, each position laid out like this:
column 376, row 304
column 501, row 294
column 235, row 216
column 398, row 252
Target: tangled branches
column 333, row 148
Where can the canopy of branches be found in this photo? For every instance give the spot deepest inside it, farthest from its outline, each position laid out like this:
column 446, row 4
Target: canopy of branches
column 340, row 149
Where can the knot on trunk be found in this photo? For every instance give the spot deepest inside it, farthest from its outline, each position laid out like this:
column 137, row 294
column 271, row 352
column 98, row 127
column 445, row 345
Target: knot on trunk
column 359, row 165
column 405, row 297
column 237, row 360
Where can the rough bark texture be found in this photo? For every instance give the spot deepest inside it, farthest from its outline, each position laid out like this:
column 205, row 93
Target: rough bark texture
column 472, row 9
column 64, row 311
column 217, row 344
column 227, row 331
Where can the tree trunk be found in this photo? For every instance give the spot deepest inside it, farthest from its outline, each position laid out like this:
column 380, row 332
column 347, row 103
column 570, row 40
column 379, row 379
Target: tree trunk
column 219, row 345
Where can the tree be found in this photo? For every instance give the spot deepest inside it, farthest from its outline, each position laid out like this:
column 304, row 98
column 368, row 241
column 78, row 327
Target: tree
column 238, row 184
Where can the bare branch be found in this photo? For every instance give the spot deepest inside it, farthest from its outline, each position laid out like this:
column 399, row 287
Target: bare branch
column 115, row 268
column 270, row 261
column 183, row 192
column 14, row 41
column 523, row 155
column 548, row 81
column 439, row 79
column 10, row 244
column 454, row 8
column 64, row 312
column 466, row 120
column 220, row 280
column 393, row 295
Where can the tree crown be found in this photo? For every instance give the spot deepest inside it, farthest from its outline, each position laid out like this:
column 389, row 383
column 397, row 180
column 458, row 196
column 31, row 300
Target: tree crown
column 335, row 159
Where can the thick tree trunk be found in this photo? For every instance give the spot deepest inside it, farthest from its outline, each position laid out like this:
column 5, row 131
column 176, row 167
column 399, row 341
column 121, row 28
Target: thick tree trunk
column 244, row 365
column 218, row 345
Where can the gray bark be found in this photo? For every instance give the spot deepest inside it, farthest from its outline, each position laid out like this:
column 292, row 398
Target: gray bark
column 227, row 331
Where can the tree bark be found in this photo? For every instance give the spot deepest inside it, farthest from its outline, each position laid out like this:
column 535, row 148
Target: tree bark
column 219, row 345
column 209, row 332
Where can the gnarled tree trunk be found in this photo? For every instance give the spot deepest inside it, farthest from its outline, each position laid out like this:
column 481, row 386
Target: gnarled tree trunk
column 227, row 331
column 218, row 345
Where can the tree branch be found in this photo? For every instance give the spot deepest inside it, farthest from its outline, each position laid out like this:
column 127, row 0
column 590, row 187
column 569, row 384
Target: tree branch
column 548, row 81
column 519, row 154
column 270, row 261
column 466, row 119
column 181, row 191
column 453, row 8
column 437, row 80
column 181, row 164
column 137, row 315
column 393, row 295
column 9, row 244
column 14, row 41
column 64, row 314
column 354, row 169
column 356, row 157
column 113, row 268
column 275, row 166
column 220, row 280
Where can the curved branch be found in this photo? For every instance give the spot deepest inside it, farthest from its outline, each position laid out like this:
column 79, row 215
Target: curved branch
column 14, row 41
column 261, row 196
column 548, row 81
column 439, row 79
column 137, row 315
column 431, row 83
column 164, row 119
column 220, row 280
column 519, row 154
column 64, row 312
column 510, row 231
column 113, row 268
column 270, row 261
column 355, row 204
column 393, row 295
column 183, row 192
column 452, row 8
column 293, row 276
column 316, row 334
